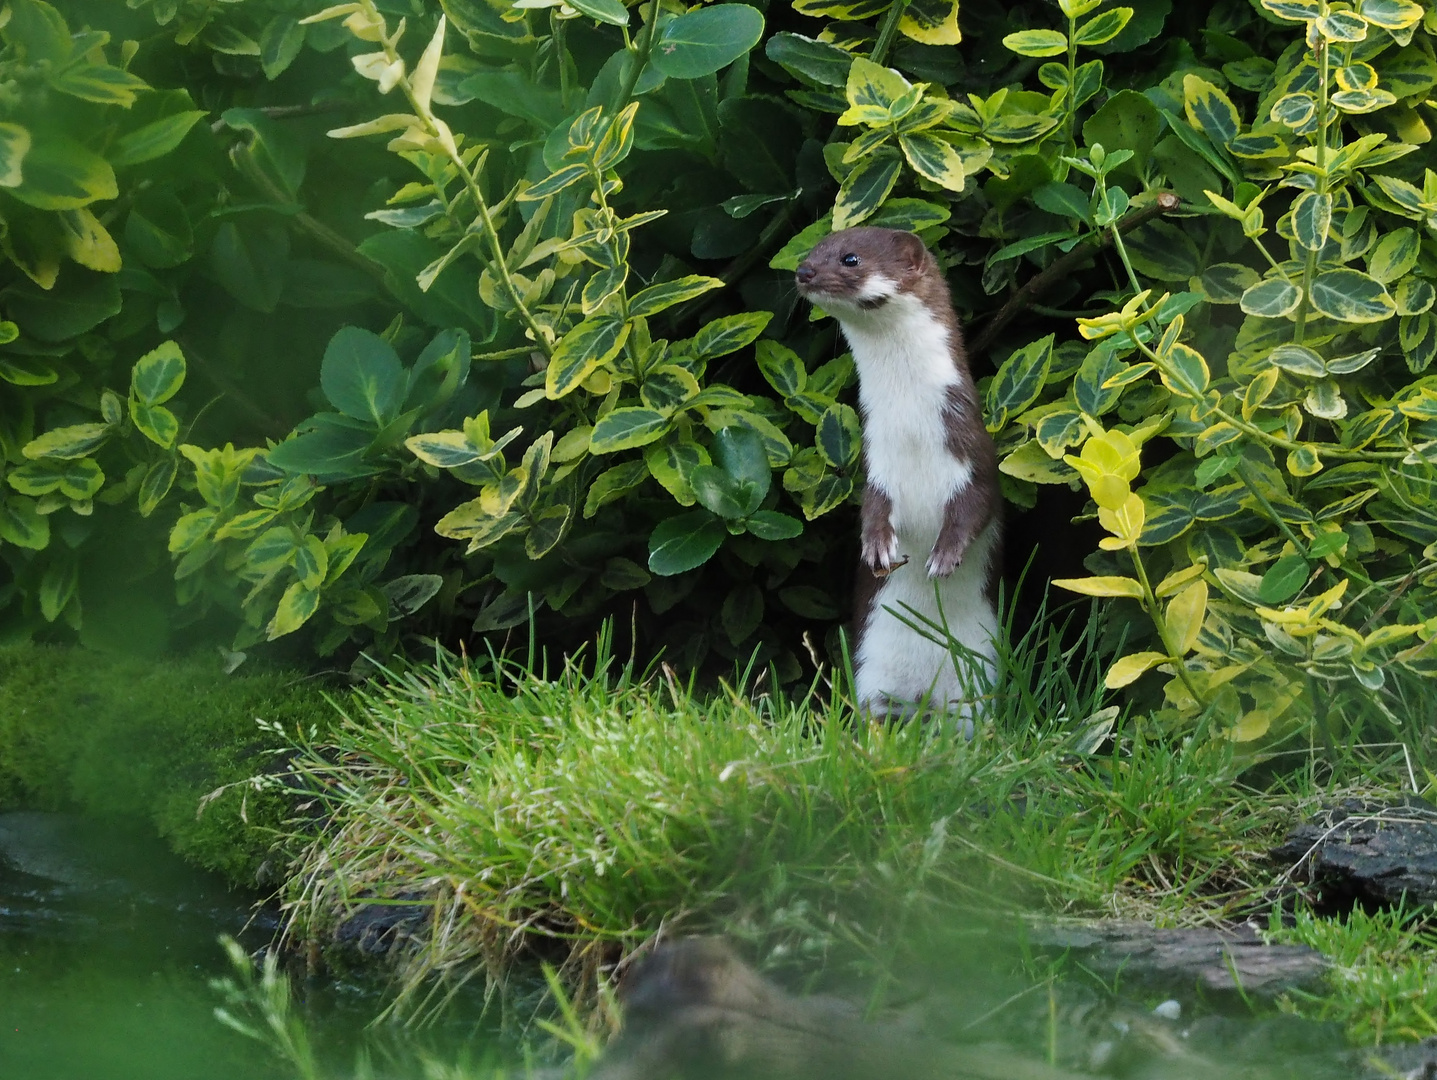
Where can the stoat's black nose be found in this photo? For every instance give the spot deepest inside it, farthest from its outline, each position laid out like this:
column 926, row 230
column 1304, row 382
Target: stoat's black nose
column 805, row 274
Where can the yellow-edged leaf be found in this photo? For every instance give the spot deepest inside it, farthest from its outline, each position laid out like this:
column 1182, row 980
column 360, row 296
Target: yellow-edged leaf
column 1101, row 586
column 1129, row 668
column 1185, row 615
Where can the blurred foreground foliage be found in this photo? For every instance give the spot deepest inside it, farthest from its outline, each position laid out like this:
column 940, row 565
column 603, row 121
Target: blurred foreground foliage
column 174, row 745
column 257, row 381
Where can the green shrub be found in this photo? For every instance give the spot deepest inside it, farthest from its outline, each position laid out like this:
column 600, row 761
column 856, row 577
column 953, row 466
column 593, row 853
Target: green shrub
column 1244, row 390
column 153, row 742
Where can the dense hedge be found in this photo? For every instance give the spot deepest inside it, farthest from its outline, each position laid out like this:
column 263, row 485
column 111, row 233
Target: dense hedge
column 548, row 314
column 117, row 738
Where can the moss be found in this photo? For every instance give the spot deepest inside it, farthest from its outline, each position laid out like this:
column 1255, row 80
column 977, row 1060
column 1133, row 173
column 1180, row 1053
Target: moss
column 121, row 737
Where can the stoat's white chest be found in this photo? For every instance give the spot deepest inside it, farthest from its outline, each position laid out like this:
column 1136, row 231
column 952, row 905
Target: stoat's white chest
column 905, row 371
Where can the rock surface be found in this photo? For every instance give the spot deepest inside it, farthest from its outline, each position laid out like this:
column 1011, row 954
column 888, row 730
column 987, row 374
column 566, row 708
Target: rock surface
column 1368, row 852
column 1201, row 957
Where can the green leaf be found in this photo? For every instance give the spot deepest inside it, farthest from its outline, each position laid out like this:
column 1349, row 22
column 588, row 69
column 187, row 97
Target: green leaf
column 1271, row 298
column 668, row 388
column 742, row 612
column 865, row 188
column 933, row 158
column 296, row 607
column 1208, row 108
column 191, row 529
column 63, row 175
column 1413, row 296
column 672, row 462
column 156, row 423
column 872, row 90
column 26, row 371
column 626, row 428
column 1186, row 371
column 808, row 602
column 657, row 298
column 158, row 375
column 931, row 22
column 781, row 366
column 1395, row 255
column 1351, row 296
column 280, row 44
column 100, row 83
column 40, row 30
column 740, row 452
column 1283, row 580
column 250, row 263
column 1324, row 400
column 153, row 140
column 1037, row 43
column 1224, row 283
column 311, row 562
column 1311, row 219
column 839, row 437
column 724, row 495
column 1019, row 381
column 613, row 483
column 58, row 587
column 79, row 478
column 1103, row 28
column 1363, row 101
column 272, row 549
column 772, row 525
column 65, row 443
column 684, row 542
column 1294, row 110
column 604, row 11
column 729, row 334
column 817, row 61
column 14, row 145
column 546, row 530
column 1065, row 200
column 702, row 41
column 1293, row 10
column 362, row 377
column 23, row 525
column 591, row 344
column 554, row 183
column 1417, row 334
column 1127, row 121
column 1390, row 14
column 1298, row 359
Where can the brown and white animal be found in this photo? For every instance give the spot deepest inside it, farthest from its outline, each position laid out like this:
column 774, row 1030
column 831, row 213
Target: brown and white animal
column 931, row 543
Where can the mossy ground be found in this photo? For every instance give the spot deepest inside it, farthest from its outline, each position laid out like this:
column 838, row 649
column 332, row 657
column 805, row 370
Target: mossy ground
column 119, row 737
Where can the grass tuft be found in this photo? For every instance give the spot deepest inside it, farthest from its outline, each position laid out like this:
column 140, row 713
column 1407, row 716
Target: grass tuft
column 578, row 815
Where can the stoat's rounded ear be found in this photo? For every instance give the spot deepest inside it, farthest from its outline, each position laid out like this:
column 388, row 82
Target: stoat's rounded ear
column 911, row 251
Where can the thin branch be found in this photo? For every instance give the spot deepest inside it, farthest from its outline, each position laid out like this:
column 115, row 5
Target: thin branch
column 1165, row 203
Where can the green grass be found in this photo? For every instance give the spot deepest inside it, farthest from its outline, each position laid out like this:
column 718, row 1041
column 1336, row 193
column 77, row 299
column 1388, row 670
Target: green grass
column 1383, row 982
column 579, row 813
column 573, row 814
column 129, row 738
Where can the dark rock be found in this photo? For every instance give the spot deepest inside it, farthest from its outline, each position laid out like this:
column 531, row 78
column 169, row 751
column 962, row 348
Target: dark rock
column 1413, row 1061
column 1204, row 957
column 379, row 924
column 1367, row 852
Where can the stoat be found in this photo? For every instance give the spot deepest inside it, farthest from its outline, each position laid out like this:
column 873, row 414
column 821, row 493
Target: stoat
column 930, row 543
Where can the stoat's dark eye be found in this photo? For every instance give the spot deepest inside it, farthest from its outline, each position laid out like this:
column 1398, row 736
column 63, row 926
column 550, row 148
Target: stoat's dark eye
column 850, row 259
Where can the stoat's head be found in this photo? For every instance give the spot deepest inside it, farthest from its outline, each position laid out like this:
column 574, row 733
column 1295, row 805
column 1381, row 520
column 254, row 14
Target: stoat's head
column 862, row 269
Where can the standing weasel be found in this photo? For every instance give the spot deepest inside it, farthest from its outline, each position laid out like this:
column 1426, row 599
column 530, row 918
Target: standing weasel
column 931, row 544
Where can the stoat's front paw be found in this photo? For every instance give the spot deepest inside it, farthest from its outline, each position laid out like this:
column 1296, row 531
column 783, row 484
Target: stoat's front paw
column 944, row 561
column 880, row 549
